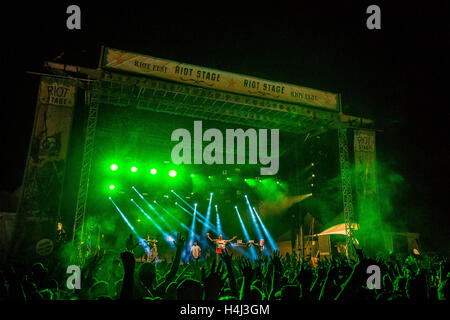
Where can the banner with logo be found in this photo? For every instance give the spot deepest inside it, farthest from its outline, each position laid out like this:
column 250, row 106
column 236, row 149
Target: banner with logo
column 114, row 59
column 366, row 190
column 45, row 167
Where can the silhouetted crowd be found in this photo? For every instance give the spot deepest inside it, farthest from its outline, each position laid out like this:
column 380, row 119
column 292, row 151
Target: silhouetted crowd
column 273, row 277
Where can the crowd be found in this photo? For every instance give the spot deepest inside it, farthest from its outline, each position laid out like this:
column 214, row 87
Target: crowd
column 273, row 277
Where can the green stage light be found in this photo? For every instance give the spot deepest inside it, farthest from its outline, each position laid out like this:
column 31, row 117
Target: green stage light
column 134, row 169
column 112, row 187
column 114, row 167
column 192, row 175
column 153, row 171
column 172, row 173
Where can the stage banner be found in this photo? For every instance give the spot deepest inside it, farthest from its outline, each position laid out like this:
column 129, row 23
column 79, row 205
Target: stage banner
column 114, row 59
column 45, row 167
column 366, row 190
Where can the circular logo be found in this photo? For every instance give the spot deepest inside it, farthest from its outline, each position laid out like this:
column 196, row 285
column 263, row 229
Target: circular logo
column 44, row 247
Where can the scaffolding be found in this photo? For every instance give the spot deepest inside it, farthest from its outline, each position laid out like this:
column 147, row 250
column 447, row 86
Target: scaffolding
column 347, row 193
column 185, row 100
column 89, row 144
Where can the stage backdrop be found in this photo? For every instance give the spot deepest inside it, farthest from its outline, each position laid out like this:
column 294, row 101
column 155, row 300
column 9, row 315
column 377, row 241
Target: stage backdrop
column 40, row 199
column 366, row 190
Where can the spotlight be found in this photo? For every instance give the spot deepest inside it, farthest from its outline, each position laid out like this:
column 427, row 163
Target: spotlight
column 109, row 198
column 192, row 175
column 112, row 187
column 171, row 190
column 312, row 164
column 172, row 173
column 138, row 220
column 154, row 201
column 211, row 194
column 313, row 175
column 153, row 171
column 195, row 204
column 134, row 169
column 114, row 167
column 176, row 203
column 312, row 184
column 278, row 182
column 245, row 195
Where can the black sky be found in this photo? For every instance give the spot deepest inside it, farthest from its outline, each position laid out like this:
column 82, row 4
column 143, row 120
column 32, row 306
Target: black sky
column 397, row 76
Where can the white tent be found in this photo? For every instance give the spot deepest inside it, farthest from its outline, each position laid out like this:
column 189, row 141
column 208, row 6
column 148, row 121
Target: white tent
column 337, row 229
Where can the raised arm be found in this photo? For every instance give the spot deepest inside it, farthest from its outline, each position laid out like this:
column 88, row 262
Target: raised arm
column 231, row 239
column 210, row 238
column 179, row 243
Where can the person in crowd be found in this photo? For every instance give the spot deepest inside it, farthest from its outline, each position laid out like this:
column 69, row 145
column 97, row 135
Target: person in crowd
column 274, row 277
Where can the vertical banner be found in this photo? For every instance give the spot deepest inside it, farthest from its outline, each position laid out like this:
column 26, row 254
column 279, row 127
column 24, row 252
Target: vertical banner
column 366, row 191
column 45, row 167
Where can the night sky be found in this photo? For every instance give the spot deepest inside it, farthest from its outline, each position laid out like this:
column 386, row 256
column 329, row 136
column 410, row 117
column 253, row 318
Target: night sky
column 396, row 76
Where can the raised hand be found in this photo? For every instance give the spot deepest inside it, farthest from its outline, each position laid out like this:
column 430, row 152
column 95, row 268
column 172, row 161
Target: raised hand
column 276, row 260
column 359, row 253
column 214, row 281
column 246, row 268
column 179, row 242
column 127, row 284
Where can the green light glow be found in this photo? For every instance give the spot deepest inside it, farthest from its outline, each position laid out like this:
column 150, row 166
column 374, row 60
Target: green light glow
column 134, row 169
column 172, row 173
column 112, row 187
column 114, row 167
column 153, row 171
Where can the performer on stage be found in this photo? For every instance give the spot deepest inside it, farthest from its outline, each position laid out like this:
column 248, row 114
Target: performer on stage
column 153, row 248
column 60, row 234
column 260, row 247
column 220, row 244
column 196, row 251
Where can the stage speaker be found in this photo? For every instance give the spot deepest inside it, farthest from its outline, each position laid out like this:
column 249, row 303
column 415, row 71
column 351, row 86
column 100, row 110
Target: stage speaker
column 324, row 245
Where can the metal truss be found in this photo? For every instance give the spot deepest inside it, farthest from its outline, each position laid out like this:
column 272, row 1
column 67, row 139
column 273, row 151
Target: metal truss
column 88, row 151
column 164, row 96
column 209, row 104
column 347, row 194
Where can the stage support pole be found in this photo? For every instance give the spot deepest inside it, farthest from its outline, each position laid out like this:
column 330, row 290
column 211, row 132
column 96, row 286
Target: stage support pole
column 78, row 224
column 347, row 194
